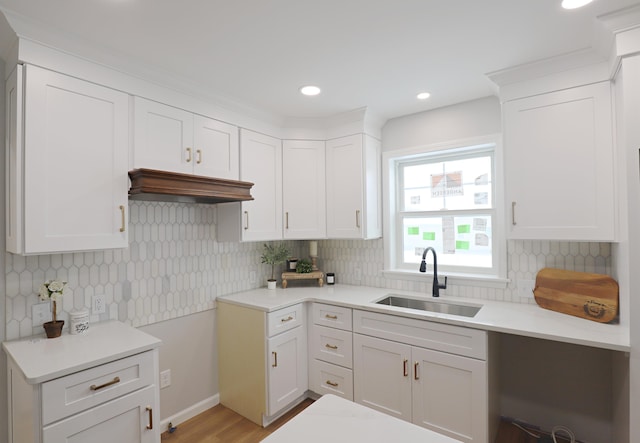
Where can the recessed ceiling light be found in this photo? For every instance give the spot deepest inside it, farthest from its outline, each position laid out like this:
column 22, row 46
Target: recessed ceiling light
column 423, row 96
column 310, row 90
column 573, row 4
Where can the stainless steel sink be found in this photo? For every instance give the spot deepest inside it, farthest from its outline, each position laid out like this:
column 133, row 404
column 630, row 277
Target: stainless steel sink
column 432, row 306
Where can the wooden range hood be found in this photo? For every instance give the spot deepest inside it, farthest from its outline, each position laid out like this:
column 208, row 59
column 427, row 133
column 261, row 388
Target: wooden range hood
column 154, row 185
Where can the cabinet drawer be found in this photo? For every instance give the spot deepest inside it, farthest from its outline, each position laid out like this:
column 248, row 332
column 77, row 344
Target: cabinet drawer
column 128, row 419
column 284, row 319
column 333, row 316
column 326, row 378
column 423, row 333
column 73, row 393
column 332, row 345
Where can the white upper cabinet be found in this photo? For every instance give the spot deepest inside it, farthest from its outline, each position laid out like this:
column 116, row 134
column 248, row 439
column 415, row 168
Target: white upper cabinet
column 559, row 165
column 171, row 139
column 259, row 219
column 353, row 187
column 66, row 164
column 303, row 189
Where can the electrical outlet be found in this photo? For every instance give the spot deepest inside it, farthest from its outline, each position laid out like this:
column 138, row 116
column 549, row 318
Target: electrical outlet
column 525, row 288
column 98, row 304
column 40, row 313
column 165, row 378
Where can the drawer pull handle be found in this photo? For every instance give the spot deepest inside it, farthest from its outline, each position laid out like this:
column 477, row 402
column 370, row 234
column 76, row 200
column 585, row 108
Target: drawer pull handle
column 415, row 371
column 189, row 157
column 199, row 160
column 513, row 213
column 330, row 383
column 331, row 317
column 328, row 346
column 405, row 367
column 275, row 360
column 246, row 224
column 284, row 320
column 358, row 218
column 150, row 411
column 109, row 383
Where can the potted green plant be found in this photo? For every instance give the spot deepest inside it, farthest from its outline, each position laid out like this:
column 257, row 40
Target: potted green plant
column 274, row 254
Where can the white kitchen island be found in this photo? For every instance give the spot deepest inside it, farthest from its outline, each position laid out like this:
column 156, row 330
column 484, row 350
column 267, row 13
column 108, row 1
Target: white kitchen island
column 334, row 419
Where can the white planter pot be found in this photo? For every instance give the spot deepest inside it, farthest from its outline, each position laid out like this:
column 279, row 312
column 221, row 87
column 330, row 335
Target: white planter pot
column 271, row 284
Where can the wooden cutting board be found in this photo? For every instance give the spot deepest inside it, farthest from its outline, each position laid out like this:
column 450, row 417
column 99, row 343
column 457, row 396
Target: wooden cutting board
column 590, row 296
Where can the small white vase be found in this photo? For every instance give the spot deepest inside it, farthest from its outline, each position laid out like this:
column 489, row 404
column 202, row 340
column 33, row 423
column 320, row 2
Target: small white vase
column 271, row 284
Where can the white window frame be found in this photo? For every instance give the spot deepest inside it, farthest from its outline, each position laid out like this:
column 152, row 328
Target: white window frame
column 496, row 276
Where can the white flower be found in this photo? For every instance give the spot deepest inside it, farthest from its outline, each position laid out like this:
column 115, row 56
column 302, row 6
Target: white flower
column 56, row 286
column 52, row 289
column 44, row 292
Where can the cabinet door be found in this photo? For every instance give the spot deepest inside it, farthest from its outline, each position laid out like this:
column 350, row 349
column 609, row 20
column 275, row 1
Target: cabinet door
column 287, row 368
column 559, row 165
column 124, row 420
column 353, row 187
column 162, row 137
column 381, row 375
column 217, row 153
column 261, row 164
column 75, row 164
column 303, row 189
column 450, row 394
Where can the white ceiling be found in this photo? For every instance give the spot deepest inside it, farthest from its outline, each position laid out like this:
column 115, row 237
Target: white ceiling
column 373, row 53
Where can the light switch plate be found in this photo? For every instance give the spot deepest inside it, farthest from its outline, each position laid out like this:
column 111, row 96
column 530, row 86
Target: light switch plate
column 40, row 313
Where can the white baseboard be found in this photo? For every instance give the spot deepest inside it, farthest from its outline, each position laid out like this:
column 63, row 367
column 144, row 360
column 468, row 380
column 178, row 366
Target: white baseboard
column 190, row 412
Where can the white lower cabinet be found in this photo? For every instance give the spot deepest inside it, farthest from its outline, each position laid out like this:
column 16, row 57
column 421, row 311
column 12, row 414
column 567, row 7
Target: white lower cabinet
column 124, row 420
column 287, row 369
column 331, row 351
column 117, row 401
column 262, row 360
column 438, row 390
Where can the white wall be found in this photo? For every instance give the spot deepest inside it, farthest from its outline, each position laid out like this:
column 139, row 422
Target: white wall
column 189, row 350
column 464, row 120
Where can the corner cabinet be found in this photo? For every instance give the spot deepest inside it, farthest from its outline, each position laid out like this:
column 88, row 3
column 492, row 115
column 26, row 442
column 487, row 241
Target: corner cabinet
column 262, row 360
column 259, row 219
column 433, row 375
column 303, row 189
column 559, row 164
column 171, row 139
column 353, row 172
column 67, row 151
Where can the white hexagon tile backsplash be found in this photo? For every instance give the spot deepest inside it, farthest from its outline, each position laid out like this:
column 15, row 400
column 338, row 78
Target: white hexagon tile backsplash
column 175, row 267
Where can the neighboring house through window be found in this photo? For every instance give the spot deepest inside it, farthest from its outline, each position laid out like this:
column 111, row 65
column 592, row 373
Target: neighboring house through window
column 448, row 197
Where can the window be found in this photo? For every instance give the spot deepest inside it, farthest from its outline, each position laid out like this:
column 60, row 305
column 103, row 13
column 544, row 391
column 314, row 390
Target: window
column 444, row 197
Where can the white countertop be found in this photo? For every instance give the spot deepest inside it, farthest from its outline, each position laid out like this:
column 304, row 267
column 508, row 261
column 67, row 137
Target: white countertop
column 41, row 359
column 336, row 420
column 510, row 318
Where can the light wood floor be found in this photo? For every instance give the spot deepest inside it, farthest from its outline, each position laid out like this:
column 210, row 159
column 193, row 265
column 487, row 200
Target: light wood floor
column 222, row 425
